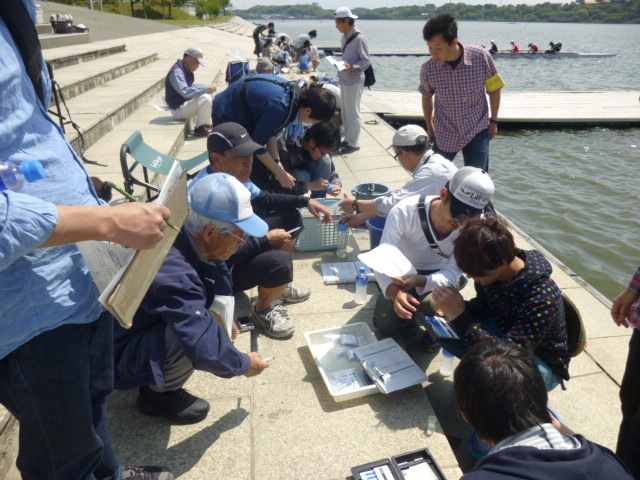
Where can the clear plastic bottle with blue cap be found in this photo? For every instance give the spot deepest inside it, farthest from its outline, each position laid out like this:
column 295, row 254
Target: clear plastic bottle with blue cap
column 342, row 251
column 361, row 286
column 13, row 175
column 446, row 365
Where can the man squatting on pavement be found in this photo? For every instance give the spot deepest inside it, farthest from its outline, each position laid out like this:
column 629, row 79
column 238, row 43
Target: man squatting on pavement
column 430, row 172
column 263, row 261
column 173, row 332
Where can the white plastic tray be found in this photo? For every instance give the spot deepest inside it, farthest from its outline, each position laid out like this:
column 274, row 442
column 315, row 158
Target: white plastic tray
column 323, row 351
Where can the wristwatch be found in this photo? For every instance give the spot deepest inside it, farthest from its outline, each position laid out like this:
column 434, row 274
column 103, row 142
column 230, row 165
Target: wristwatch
column 493, row 120
column 354, row 205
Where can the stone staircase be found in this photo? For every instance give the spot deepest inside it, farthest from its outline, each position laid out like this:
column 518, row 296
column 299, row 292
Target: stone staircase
column 112, row 89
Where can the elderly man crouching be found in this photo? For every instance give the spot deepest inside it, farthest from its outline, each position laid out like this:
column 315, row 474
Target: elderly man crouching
column 173, row 332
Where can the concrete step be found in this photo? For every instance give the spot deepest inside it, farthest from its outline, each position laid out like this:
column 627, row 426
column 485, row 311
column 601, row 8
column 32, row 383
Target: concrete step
column 111, row 103
column 84, row 53
column 44, row 28
column 54, row 40
column 85, row 76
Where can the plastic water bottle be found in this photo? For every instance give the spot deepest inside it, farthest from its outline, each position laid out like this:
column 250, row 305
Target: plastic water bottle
column 13, row 175
column 342, row 251
column 330, row 189
column 361, row 286
column 446, row 365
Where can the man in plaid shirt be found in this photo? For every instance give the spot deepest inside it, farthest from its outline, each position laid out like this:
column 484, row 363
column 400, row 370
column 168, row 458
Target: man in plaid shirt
column 459, row 77
column 626, row 312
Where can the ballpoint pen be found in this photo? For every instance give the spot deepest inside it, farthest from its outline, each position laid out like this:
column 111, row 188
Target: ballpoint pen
column 134, row 199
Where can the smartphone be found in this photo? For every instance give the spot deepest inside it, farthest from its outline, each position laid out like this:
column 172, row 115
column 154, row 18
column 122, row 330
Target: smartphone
column 244, row 323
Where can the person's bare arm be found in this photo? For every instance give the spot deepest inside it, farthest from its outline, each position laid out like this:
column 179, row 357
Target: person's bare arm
column 427, row 110
column 138, row 225
column 494, row 104
column 268, row 160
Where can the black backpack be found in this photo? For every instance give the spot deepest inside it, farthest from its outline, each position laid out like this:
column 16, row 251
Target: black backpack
column 369, row 76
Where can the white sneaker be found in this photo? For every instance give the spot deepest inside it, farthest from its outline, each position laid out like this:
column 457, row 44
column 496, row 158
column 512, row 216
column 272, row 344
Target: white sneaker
column 274, row 321
column 294, row 294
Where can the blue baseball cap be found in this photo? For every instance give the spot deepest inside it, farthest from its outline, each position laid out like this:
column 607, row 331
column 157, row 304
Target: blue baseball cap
column 222, row 197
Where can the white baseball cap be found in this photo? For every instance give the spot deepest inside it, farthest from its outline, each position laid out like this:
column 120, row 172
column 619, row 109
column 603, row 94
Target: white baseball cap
column 222, row 197
column 471, row 189
column 408, row 136
column 196, row 53
column 344, row 12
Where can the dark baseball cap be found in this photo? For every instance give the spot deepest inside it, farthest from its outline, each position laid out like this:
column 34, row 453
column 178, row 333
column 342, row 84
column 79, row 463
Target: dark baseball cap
column 231, row 137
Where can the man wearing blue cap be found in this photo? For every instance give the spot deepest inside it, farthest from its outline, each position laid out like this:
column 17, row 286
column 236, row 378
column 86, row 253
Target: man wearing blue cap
column 173, row 332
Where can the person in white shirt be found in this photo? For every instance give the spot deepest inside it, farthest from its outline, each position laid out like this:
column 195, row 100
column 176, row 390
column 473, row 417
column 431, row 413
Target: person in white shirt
column 430, row 173
column 298, row 43
column 429, row 249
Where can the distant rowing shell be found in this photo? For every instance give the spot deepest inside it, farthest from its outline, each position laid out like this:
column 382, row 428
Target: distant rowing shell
column 551, row 56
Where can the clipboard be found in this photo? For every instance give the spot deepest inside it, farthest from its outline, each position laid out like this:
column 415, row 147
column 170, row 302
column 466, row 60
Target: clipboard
column 127, row 295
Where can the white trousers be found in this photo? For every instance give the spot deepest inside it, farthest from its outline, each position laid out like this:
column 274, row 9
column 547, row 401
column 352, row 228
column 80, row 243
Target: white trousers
column 350, row 111
column 199, row 106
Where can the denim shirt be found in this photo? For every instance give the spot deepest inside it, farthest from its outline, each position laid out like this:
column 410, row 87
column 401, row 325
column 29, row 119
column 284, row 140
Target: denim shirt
column 40, row 288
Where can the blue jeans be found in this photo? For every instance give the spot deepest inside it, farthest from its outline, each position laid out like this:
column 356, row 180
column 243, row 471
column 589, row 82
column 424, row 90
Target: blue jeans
column 475, row 153
column 57, row 385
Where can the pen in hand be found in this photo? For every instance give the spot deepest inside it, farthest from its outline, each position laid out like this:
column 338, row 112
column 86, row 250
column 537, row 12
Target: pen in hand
column 131, row 198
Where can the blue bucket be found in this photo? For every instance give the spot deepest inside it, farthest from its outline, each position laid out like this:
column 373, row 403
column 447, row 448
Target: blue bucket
column 375, row 226
column 369, row 191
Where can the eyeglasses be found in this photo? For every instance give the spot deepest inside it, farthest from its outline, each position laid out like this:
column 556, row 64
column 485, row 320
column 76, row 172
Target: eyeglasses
column 242, row 239
column 395, row 157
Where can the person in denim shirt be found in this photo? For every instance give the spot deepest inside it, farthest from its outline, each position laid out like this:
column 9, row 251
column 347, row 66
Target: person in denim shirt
column 56, row 365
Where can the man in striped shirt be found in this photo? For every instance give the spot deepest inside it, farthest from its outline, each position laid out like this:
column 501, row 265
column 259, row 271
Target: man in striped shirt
column 459, row 77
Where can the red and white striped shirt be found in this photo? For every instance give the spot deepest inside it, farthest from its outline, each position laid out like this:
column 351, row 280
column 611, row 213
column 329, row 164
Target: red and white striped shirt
column 461, row 109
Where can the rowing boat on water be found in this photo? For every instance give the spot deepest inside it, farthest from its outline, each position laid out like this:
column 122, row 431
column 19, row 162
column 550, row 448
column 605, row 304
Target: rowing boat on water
column 551, row 56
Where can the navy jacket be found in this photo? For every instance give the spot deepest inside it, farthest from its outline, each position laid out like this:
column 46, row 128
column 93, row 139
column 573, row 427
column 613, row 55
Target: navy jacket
column 265, row 110
column 171, row 95
column 179, row 297
column 588, row 462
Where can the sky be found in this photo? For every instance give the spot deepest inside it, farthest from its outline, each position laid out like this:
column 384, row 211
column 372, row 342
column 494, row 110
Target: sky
column 332, row 4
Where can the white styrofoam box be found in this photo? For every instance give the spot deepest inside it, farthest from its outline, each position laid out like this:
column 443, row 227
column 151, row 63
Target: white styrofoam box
column 322, row 345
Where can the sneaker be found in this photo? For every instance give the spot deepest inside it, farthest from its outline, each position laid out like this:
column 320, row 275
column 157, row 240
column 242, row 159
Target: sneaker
column 179, row 406
column 348, row 149
column 343, row 144
column 201, row 131
column 274, row 321
column 295, row 294
column 145, row 473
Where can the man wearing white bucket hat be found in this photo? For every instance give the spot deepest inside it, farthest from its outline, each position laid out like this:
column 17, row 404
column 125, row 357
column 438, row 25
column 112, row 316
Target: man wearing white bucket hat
column 355, row 54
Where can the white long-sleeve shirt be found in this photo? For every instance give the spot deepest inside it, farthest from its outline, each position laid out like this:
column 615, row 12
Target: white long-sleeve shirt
column 404, row 231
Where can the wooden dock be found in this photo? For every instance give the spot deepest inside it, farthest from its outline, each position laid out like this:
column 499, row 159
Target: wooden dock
column 380, row 52
column 525, row 108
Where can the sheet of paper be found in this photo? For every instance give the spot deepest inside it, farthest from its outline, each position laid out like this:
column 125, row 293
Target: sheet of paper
column 342, row 272
column 387, row 260
column 389, row 365
column 421, row 471
column 339, row 64
column 105, row 260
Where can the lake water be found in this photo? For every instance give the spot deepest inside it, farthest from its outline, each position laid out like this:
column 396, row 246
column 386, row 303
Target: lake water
column 576, row 192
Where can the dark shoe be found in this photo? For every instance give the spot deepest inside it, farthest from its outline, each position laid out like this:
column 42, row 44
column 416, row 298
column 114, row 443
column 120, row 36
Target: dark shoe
column 343, row 144
column 179, row 406
column 208, row 126
column 348, row 149
column 201, row 131
column 145, row 473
